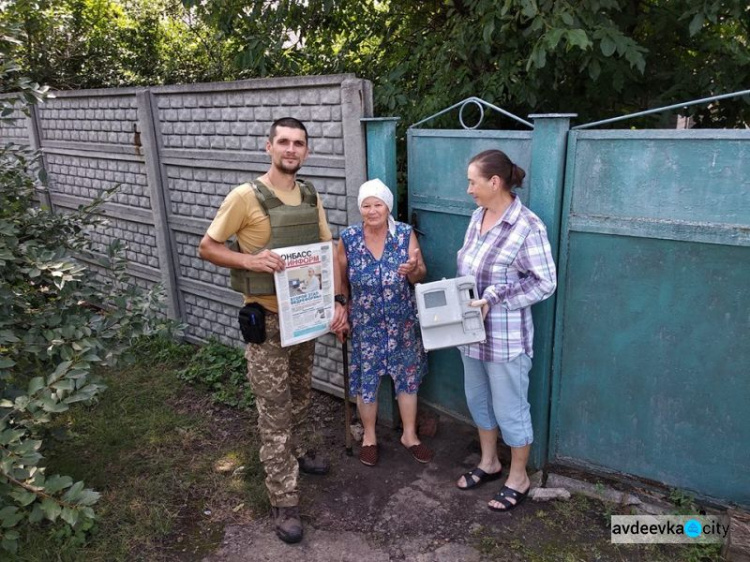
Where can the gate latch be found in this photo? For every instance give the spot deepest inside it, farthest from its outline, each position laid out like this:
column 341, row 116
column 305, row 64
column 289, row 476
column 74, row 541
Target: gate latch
column 415, row 223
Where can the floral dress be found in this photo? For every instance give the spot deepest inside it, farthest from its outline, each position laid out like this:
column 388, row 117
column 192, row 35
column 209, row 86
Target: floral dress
column 385, row 337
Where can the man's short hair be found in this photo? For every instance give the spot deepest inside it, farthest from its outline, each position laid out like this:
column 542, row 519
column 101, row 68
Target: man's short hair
column 290, row 122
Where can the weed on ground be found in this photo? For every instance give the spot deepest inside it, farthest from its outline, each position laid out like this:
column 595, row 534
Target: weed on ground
column 220, row 370
column 578, row 531
column 172, row 467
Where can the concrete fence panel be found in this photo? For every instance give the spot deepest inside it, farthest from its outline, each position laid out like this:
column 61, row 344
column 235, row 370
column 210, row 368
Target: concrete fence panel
column 174, row 152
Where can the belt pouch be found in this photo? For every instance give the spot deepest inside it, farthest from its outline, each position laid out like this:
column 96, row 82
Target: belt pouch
column 252, row 318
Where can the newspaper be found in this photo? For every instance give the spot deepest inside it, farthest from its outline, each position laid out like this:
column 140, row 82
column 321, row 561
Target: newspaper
column 305, row 292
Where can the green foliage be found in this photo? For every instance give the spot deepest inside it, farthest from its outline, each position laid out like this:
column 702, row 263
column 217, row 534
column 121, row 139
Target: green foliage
column 57, row 321
column 683, row 501
column 25, row 91
column 596, row 58
column 152, row 446
column 71, row 44
column 685, row 504
column 702, row 553
column 221, row 370
column 599, row 58
column 162, row 348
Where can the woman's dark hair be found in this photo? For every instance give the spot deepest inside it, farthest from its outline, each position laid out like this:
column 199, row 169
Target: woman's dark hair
column 496, row 163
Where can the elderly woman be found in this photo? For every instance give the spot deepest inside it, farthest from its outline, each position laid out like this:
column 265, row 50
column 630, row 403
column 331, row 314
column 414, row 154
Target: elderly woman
column 507, row 250
column 379, row 261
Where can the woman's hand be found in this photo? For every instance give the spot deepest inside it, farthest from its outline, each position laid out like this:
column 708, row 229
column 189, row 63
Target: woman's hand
column 414, row 268
column 342, row 330
column 412, row 264
column 340, row 320
column 484, row 304
column 341, row 336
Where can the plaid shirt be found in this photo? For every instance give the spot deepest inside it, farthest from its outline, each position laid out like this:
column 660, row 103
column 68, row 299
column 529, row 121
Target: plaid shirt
column 513, row 266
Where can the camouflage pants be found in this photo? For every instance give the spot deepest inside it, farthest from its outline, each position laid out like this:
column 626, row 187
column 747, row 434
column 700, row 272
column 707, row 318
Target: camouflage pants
column 281, row 378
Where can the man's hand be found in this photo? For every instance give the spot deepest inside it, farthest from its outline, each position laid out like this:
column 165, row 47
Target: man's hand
column 264, row 262
column 484, row 304
column 218, row 254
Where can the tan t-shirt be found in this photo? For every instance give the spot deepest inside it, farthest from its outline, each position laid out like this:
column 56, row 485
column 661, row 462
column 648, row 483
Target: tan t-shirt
column 240, row 214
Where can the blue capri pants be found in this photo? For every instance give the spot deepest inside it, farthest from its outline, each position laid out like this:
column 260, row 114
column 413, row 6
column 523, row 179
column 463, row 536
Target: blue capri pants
column 497, row 395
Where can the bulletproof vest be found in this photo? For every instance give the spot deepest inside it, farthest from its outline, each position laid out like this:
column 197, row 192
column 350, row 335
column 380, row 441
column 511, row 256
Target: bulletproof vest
column 290, row 226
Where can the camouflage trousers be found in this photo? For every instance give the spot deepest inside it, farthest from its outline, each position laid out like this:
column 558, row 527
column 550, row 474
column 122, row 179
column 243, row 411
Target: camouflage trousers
column 281, row 379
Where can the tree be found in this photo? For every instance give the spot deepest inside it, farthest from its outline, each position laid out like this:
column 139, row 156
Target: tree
column 73, row 44
column 57, row 321
column 599, row 58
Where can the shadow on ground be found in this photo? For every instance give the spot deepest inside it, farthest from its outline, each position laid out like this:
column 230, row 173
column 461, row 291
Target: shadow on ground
column 403, row 510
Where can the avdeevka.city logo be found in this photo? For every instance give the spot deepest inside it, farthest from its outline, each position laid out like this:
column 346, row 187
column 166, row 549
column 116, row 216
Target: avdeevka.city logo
column 647, row 529
column 693, row 528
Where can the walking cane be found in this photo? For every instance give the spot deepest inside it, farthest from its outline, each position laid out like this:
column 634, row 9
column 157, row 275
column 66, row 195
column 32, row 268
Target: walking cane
column 347, row 411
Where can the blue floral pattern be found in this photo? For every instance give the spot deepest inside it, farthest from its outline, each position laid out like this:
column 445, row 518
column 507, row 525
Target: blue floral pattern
column 385, row 337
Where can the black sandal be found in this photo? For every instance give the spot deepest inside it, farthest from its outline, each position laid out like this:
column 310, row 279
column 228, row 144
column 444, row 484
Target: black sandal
column 481, row 475
column 505, row 493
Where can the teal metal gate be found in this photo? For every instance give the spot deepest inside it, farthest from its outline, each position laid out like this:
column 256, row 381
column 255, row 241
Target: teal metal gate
column 652, row 342
column 439, row 208
column 650, row 372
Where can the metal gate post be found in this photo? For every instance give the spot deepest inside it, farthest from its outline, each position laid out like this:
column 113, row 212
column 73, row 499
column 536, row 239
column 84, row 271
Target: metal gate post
column 381, row 153
column 548, row 150
column 381, row 164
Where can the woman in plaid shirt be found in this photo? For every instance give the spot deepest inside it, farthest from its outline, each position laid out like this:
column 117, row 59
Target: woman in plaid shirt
column 507, row 250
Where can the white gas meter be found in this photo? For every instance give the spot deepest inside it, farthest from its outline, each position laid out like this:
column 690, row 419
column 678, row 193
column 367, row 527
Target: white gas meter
column 445, row 317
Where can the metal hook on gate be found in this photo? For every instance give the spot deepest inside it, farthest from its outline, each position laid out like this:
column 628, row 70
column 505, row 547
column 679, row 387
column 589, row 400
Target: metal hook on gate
column 415, row 223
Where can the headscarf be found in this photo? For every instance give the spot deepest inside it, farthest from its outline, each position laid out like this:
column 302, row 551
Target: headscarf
column 376, row 188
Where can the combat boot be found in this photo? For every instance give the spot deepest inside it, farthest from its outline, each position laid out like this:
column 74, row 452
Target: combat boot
column 288, row 523
column 309, row 463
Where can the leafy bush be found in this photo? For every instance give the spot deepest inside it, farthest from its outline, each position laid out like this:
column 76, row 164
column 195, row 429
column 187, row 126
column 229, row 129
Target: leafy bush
column 222, row 370
column 57, row 320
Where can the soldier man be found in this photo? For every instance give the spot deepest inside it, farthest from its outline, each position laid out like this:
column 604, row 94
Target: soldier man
column 274, row 211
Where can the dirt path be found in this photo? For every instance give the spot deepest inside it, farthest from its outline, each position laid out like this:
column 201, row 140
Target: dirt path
column 402, row 510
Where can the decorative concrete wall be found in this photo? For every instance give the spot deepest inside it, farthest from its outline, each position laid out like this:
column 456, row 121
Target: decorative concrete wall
column 174, row 152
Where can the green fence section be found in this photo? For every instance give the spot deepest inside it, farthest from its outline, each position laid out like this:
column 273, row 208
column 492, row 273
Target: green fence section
column 652, row 352
column 642, row 359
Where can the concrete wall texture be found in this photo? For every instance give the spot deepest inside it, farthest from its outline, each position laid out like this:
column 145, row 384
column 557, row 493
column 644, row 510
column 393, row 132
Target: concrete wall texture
column 174, row 152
